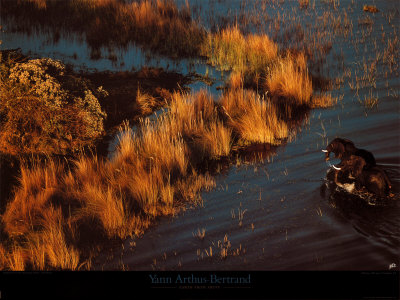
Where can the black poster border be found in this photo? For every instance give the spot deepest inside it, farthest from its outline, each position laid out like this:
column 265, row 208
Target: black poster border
column 200, row 285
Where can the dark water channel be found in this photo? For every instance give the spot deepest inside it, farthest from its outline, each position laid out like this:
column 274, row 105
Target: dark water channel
column 277, row 214
column 288, row 222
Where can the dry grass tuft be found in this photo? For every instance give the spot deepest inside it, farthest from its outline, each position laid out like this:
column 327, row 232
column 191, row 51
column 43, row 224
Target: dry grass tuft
column 147, row 103
column 106, row 205
column 370, row 8
column 304, row 4
column 48, row 247
column 323, row 100
column 37, row 186
column 15, row 259
column 254, row 119
column 289, row 79
column 195, row 118
column 236, row 80
column 231, row 50
column 215, row 140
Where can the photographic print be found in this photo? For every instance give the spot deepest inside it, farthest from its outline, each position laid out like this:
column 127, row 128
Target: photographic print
column 200, row 146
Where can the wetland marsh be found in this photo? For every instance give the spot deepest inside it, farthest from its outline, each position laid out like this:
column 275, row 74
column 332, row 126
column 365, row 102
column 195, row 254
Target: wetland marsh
column 204, row 123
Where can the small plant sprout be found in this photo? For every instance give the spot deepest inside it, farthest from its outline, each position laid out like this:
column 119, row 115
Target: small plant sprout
column 319, row 211
column 241, row 215
column 209, row 253
column 200, row 234
column 239, row 251
column 224, row 246
column 233, row 215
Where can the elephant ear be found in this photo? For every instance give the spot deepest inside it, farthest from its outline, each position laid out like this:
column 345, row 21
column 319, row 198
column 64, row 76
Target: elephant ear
column 339, row 150
column 359, row 164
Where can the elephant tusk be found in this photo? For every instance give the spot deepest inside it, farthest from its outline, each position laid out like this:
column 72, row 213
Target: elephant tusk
column 324, row 151
column 336, row 168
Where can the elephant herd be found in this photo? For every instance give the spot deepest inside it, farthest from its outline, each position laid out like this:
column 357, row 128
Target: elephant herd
column 357, row 169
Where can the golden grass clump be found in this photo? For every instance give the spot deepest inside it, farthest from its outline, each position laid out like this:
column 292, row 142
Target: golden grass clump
column 254, row 119
column 323, row 100
column 37, row 186
column 289, row 79
column 156, row 146
column 304, row 4
column 215, row 140
column 41, row 4
column 3, row 257
column 188, row 188
column 147, row 103
column 105, row 205
column 370, row 8
column 33, row 217
column 48, row 247
column 231, row 50
column 236, row 80
column 195, row 118
column 188, row 112
column 15, row 259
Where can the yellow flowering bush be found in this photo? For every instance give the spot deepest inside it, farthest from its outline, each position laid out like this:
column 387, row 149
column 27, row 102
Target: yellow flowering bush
column 46, row 108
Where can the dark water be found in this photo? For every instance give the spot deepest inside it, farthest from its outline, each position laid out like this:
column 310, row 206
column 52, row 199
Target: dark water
column 278, row 214
column 287, row 224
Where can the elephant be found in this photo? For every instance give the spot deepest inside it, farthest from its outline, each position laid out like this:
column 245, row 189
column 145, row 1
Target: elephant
column 344, row 148
column 352, row 173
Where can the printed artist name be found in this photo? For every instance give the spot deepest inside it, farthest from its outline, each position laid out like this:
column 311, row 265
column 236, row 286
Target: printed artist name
column 193, row 279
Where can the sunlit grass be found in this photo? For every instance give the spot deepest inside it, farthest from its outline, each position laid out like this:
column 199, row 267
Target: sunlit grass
column 36, row 187
column 48, row 247
column 255, row 120
column 289, row 80
column 151, row 173
column 146, row 102
column 370, row 8
column 249, row 55
column 323, row 100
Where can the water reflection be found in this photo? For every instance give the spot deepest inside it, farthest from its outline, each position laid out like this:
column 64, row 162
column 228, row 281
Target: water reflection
column 72, row 32
column 160, row 27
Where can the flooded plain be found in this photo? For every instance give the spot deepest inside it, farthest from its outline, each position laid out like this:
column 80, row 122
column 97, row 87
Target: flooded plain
column 275, row 212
